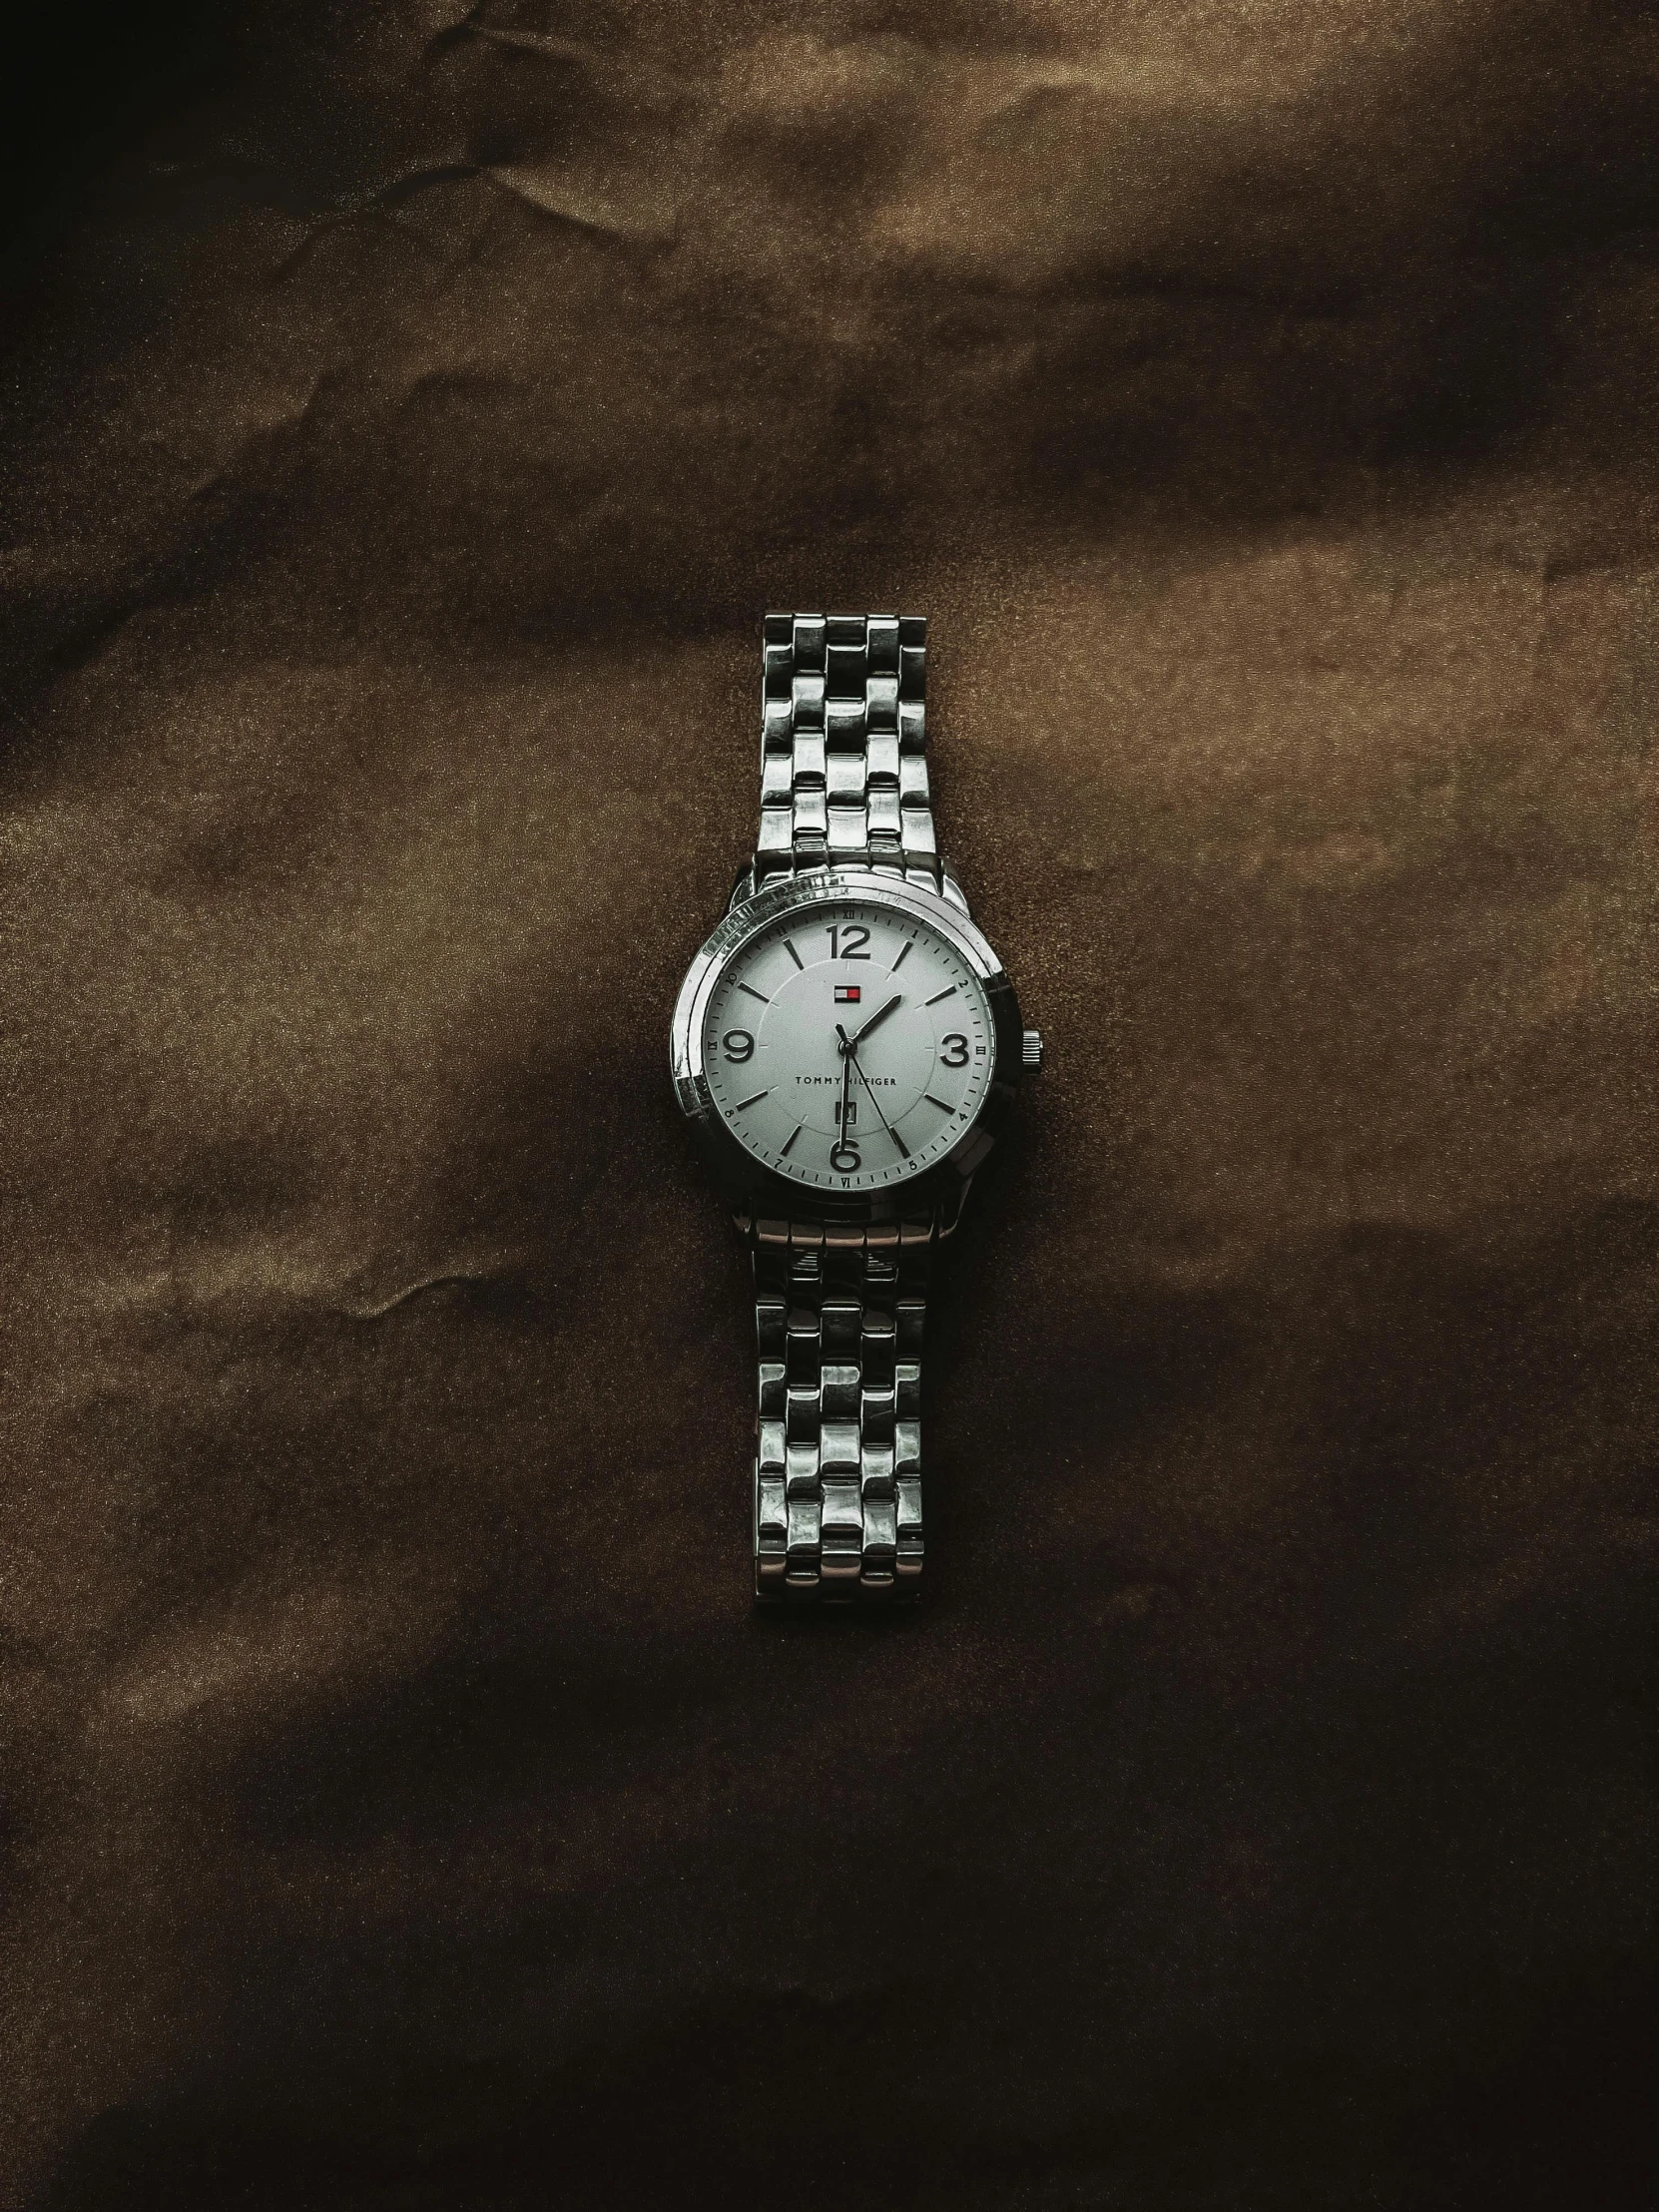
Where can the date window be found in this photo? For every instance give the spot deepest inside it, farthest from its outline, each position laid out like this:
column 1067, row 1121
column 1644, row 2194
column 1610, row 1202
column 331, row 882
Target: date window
column 847, row 1116
column 847, row 994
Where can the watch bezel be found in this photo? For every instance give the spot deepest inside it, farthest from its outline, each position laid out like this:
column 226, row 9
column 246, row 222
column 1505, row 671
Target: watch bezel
column 749, row 1185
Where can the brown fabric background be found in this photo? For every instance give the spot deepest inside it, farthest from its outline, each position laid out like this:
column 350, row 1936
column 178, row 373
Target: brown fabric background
column 410, row 413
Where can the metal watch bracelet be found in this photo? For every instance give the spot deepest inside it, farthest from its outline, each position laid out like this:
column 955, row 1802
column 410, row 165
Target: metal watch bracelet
column 840, row 1311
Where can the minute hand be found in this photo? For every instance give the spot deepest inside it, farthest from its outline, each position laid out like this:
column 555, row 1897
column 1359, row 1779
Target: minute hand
column 849, row 1046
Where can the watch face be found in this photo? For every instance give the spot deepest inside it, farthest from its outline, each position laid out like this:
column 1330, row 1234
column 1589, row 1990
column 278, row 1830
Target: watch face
column 848, row 1046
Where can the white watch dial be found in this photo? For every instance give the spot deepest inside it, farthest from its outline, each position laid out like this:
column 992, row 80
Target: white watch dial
column 848, row 1046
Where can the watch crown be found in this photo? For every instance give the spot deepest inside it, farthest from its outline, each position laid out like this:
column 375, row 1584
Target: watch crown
column 1031, row 1049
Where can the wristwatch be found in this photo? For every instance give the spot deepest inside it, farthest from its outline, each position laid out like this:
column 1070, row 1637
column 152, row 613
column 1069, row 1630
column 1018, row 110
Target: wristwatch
column 845, row 1047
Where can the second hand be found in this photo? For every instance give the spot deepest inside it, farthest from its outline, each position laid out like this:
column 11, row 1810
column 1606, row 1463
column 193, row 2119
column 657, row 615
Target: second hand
column 852, row 1061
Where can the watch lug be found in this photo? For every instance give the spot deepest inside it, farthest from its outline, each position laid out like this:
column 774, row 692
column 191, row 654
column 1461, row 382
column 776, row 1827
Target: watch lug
column 743, row 887
column 950, row 889
column 952, row 1201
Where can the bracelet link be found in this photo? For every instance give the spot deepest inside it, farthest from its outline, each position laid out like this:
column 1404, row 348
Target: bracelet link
column 843, row 727
column 838, row 1317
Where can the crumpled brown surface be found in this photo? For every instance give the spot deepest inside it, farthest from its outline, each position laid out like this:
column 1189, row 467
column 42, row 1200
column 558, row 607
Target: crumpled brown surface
column 406, row 1808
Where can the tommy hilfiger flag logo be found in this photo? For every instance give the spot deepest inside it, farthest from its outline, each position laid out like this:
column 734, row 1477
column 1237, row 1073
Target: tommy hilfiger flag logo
column 846, row 994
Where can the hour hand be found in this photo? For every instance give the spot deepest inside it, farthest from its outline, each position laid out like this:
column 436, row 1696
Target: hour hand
column 852, row 1044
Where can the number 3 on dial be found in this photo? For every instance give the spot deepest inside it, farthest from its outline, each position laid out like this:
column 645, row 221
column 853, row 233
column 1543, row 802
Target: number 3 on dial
column 954, row 1050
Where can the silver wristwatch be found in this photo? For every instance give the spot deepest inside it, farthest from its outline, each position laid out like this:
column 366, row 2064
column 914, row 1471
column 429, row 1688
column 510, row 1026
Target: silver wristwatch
column 845, row 1047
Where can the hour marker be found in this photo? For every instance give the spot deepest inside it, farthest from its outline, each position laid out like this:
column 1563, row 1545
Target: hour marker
column 937, row 995
column 743, row 1102
column 794, row 1133
column 899, row 962
column 794, row 955
column 931, row 1100
column 899, row 1141
column 754, row 994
